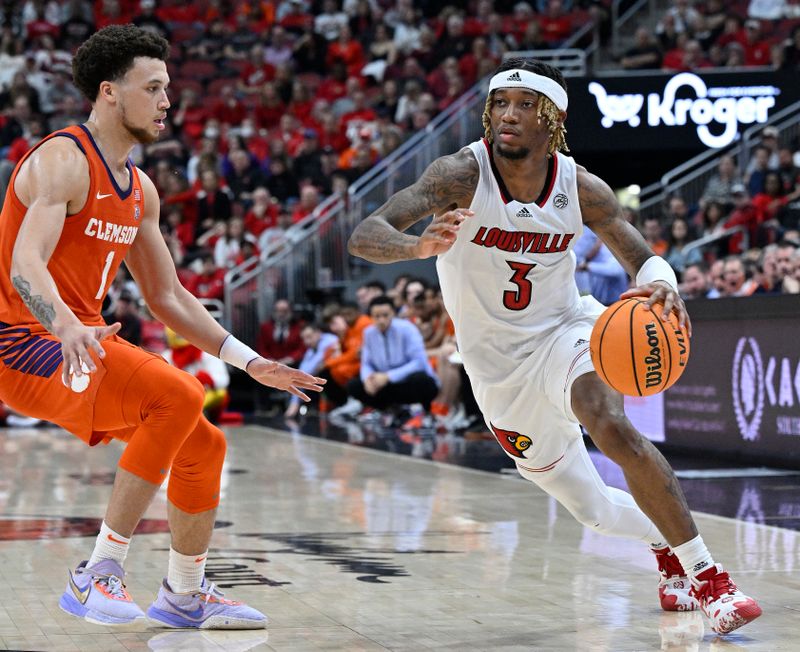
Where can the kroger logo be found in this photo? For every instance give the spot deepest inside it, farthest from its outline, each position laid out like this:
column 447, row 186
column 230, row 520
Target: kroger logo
column 718, row 107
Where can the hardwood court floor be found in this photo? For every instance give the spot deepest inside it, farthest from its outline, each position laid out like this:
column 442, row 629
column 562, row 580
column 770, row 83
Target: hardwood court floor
column 347, row 548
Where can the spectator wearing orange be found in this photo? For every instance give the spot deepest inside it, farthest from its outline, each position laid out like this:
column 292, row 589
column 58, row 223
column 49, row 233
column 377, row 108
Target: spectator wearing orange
column 653, row 235
column 348, row 324
column 362, row 145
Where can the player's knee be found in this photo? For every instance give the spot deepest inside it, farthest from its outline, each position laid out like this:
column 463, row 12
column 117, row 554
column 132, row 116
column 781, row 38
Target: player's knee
column 590, row 516
column 188, row 394
column 617, row 439
column 217, row 446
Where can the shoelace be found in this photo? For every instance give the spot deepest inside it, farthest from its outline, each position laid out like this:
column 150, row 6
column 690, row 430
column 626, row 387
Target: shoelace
column 717, row 586
column 669, row 565
column 113, row 583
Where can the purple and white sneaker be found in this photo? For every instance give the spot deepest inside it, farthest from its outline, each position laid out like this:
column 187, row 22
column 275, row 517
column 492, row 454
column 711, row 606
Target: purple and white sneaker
column 98, row 595
column 202, row 609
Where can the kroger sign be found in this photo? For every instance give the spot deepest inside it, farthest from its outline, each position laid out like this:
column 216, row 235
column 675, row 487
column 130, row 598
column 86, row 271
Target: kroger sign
column 716, row 111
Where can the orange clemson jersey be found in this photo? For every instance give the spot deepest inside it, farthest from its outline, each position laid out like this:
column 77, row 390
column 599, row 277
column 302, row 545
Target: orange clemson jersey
column 92, row 245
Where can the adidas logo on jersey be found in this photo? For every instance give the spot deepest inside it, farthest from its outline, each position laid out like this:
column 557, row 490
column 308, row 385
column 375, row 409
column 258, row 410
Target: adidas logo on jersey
column 579, row 342
column 524, row 212
column 514, row 77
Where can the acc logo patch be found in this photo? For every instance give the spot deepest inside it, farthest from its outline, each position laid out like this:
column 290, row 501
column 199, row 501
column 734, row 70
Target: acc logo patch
column 560, row 200
column 512, row 442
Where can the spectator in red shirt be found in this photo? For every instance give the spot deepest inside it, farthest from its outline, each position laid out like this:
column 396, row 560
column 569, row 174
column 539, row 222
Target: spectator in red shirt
column 334, row 85
column 270, row 107
column 468, row 64
column 556, row 23
column 301, row 103
column 756, row 49
column 309, row 200
column 34, row 132
column 191, row 116
column 210, row 282
column 263, row 213
column 228, row 109
column 279, row 338
column 110, row 12
column 361, row 111
column 347, row 50
column 256, row 71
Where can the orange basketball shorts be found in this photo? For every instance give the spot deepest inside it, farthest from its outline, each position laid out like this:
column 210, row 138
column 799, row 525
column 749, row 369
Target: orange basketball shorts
column 135, row 397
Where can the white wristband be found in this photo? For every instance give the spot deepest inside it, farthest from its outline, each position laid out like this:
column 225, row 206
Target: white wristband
column 236, row 353
column 656, row 268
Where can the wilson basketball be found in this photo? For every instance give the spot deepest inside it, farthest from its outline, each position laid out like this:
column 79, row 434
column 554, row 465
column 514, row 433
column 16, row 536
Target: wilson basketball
column 635, row 352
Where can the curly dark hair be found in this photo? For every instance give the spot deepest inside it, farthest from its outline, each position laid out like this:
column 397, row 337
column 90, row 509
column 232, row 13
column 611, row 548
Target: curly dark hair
column 547, row 110
column 109, row 53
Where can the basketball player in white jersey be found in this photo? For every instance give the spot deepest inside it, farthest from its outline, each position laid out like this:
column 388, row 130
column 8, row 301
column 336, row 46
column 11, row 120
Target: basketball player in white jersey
column 507, row 211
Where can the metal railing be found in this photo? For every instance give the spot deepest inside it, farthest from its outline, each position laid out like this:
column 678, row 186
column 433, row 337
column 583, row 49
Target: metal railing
column 705, row 242
column 617, row 21
column 689, row 179
column 313, row 263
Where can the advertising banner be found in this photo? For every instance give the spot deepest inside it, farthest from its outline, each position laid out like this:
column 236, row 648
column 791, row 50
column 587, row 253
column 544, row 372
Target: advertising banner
column 740, row 392
column 673, row 111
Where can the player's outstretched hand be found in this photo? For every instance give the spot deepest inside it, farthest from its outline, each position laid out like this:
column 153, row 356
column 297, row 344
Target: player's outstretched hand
column 441, row 233
column 279, row 376
column 78, row 342
column 661, row 292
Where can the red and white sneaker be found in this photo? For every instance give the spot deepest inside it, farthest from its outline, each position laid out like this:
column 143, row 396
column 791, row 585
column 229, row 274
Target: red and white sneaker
column 674, row 589
column 726, row 606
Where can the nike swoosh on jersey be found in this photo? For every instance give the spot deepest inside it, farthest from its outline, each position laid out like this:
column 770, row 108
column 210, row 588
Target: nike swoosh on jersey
column 82, row 596
column 99, row 196
column 197, row 614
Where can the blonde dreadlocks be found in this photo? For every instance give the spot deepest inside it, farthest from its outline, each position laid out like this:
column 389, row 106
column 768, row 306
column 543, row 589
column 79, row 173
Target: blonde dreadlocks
column 546, row 111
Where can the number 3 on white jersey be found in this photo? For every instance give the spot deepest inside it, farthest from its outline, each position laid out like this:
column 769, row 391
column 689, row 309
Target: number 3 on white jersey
column 104, row 277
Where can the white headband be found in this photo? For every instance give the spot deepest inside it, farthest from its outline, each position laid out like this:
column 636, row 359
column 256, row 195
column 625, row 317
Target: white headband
column 526, row 79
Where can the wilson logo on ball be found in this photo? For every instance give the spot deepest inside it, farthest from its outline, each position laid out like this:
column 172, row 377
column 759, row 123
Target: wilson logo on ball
column 653, row 358
column 636, row 352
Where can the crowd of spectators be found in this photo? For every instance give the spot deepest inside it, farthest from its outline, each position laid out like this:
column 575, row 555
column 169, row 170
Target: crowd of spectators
column 713, row 34
column 390, row 356
column 275, row 105
column 760, row 203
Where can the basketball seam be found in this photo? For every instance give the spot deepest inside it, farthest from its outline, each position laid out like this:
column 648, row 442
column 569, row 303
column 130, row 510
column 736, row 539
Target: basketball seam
column 633, row 348
column 602, row 335
column 669, row 354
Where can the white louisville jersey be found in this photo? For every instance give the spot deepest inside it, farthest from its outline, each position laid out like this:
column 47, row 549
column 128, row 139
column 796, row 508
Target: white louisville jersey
column 509, row 279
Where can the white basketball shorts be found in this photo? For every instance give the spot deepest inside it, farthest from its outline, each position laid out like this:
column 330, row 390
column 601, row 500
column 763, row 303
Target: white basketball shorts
column 533, row 420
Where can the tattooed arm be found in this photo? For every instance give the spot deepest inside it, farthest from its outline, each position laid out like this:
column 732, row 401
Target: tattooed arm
column 53, row 183
column 603, row 214
column 449, row 182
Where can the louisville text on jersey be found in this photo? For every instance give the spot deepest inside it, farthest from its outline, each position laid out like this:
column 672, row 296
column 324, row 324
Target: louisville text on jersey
column 522, row 241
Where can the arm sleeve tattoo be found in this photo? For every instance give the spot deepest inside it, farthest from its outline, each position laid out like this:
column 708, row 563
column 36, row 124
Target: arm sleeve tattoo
column 447, row 183
column 39, row 307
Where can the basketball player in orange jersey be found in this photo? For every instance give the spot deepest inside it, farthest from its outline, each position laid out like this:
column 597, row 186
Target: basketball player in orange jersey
column 507, row 210
column 76, row 207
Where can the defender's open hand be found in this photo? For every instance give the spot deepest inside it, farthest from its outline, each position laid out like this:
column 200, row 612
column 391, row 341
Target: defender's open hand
column 279, row 376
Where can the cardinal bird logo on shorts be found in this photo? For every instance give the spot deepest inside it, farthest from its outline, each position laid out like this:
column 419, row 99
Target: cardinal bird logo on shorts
column 512, row 442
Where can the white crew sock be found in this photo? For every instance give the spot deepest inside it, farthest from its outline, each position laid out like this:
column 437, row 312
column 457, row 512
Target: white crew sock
column 185, row 572
column 694, row 556
column 109, row 545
